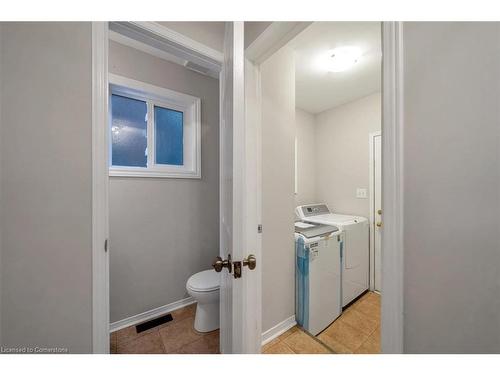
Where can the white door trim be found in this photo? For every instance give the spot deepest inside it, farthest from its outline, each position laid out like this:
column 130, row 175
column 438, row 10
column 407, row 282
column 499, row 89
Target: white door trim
column 100, row 210
column 163, row 42
column 371, row 195
column 272, row 39
column 392, row 187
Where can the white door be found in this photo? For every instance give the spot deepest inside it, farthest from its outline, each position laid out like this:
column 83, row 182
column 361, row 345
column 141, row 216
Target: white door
column 239, row 297
column 377, row 214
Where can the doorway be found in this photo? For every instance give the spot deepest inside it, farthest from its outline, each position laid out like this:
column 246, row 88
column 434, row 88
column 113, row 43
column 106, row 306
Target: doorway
column 238, row 312
column 392, row 320
column 325, row 113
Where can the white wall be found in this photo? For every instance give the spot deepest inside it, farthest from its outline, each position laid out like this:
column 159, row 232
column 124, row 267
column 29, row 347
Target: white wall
column 278, row 138
column 342, row 153
column 46, row 185
column 162, row 231
column 306, row 157
column 451, row 188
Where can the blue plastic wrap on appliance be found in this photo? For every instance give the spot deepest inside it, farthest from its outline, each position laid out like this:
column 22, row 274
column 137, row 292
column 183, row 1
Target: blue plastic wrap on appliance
column 302, row 283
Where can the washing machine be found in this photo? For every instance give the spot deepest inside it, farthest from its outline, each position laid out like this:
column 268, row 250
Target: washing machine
column 356, row 258
column 318, row 298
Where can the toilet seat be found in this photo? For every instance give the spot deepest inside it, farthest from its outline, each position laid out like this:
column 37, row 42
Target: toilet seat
column 204, row 281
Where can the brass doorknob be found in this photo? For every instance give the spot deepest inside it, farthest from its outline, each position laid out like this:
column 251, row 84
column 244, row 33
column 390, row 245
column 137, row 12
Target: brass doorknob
column 250, row 262
column 379, row 224
column 219, row 264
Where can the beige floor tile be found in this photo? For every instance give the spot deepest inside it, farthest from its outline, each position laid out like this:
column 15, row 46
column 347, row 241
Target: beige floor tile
column 130, row 333
column 302, row 343
column 289, row 332
column 372, row 297
column 369, row 309
column 370, row 346
column 184, row 312
column 278, row 348
column 280, row 337
column 271, row 343
column 177, row 335
column 126, row 334
column 145, row 344
column 348, row 336
column 376, row 333
column 113, row 343
column 208, row 344
column 360, row 321
column 333, row 344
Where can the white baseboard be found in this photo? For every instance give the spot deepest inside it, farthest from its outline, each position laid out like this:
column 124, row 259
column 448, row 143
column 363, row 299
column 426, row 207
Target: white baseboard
column 278, row 329
column 151, row 314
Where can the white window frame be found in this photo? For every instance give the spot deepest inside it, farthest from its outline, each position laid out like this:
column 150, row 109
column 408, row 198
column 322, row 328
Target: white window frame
column 189, row 105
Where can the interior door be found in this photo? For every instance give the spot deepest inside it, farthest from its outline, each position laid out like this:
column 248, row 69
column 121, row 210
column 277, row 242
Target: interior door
column 239, row 296
column 377, row 160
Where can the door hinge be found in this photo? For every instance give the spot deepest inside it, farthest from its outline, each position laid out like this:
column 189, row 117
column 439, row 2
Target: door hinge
column 106, row 245
column 259, row 228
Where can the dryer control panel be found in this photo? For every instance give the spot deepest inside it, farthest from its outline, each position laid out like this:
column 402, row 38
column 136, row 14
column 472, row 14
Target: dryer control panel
column 311, row 210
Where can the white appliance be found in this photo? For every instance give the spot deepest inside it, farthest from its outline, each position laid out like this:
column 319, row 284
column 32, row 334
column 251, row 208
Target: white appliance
column 318, row 299
column 356, row 258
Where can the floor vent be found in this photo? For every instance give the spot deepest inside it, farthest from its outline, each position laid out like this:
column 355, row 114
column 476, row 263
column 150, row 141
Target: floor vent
column 153, row 323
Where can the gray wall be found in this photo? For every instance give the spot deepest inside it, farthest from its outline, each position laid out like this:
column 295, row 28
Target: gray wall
column 452, row 188
column 278, row 138
column 208, row 33
column 253, row 30
column 45, row 153
column 162, row 231
column 342, row 154
column 306, row 157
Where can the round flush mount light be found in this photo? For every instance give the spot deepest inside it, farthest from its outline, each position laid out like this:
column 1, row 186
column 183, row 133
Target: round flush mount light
column 341, row 58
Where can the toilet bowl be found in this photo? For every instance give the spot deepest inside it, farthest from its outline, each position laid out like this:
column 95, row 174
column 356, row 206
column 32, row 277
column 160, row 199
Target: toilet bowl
column 204, row 288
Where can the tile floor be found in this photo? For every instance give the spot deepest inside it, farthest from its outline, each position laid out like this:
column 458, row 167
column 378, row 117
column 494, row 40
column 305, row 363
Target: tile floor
column 175, row 337
column 295, row 341
column 357, row 330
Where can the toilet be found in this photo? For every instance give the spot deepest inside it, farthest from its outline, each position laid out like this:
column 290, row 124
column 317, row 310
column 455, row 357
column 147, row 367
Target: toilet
column 204, row 287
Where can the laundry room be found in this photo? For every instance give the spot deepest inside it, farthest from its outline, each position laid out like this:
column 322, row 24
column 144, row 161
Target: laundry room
column 321, row 124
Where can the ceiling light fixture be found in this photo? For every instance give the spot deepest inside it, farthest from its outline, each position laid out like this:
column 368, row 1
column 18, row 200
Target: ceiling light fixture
column 341, row 58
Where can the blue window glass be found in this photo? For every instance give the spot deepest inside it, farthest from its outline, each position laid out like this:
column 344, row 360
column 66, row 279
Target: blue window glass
column 128, row 132
column 169, row 127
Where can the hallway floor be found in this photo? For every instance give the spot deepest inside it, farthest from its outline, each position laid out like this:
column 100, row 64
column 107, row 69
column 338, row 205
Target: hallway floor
column 175, row 337
column 357, row 331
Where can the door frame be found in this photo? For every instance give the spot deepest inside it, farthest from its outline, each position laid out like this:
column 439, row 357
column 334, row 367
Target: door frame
column 392, row 318
column 371, row 198
column 100, row 189
column 175, row 46
column 275, row 37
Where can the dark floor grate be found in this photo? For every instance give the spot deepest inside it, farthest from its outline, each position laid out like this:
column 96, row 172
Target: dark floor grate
column 153, row 323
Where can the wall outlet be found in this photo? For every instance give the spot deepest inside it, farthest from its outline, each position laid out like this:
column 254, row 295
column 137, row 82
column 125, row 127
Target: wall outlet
column 361, row 193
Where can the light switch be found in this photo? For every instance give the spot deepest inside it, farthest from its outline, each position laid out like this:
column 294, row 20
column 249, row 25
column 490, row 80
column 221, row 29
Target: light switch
column 361, row 193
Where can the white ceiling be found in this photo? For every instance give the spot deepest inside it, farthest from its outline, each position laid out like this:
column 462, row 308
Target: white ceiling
column 318, row 90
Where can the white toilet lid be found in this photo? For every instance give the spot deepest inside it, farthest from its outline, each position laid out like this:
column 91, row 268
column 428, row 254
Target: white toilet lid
column 204, row 281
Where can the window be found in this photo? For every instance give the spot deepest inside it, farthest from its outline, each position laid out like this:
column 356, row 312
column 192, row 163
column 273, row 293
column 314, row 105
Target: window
column 154, row 132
